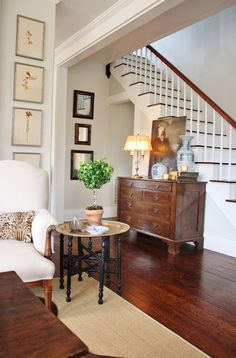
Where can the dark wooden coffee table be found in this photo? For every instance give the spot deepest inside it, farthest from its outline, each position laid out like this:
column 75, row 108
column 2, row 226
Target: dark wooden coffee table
column 29, row 329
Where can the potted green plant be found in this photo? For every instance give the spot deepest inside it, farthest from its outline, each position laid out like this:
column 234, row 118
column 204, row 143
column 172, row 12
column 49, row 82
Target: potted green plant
column 94, row 175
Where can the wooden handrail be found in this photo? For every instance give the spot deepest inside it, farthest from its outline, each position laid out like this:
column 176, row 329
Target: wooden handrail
column 219, row 110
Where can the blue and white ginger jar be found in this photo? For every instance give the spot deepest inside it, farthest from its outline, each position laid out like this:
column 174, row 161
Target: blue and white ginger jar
column 158, row 170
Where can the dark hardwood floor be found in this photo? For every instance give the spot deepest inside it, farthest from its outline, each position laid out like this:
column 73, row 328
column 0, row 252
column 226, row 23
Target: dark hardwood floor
column 193, row 293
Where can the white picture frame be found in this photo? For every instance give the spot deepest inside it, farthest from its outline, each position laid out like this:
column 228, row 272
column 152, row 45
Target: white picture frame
column 27, row 127
column 31, row 158
column 30, row 37
column 28, row 84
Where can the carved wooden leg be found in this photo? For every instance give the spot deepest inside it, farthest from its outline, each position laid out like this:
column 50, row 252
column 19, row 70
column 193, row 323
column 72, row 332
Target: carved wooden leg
column 199, row 244
column 47, row 285
column 173, row 248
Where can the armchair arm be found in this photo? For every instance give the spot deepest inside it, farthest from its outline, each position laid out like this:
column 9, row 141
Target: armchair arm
column 42, row 227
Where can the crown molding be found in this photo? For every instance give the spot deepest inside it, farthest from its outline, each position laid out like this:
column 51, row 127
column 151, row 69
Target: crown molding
column 121, row 17
column 55, row 1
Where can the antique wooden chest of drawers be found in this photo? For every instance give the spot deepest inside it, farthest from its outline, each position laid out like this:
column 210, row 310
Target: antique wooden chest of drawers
column 171, row 211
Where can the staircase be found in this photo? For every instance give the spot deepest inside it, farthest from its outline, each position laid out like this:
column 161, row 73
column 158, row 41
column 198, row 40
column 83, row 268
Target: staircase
column 159, row 89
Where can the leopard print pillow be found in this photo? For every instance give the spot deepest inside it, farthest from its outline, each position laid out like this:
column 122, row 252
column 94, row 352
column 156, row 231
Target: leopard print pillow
column 16, row 225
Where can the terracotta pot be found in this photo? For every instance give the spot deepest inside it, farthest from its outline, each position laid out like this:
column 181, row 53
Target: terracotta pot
column 94, row 217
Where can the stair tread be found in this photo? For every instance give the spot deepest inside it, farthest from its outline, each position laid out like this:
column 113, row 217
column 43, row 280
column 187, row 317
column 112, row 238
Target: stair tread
column 138, row 82
column 216, row 134
column 169, row 105
column 218, row 163
column 138, row 75
column 151, row 92
column 223, row 181
column 210, row 146
column 138, row 67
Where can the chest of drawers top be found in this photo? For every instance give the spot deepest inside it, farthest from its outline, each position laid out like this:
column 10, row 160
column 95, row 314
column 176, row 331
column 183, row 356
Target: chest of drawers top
column 147, row 184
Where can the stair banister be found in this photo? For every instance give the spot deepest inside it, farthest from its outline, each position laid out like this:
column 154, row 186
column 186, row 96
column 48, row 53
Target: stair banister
column 214, row 130
column 221, row 112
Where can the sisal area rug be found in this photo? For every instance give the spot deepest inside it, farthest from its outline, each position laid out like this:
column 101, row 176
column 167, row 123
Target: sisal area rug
column 116, row 328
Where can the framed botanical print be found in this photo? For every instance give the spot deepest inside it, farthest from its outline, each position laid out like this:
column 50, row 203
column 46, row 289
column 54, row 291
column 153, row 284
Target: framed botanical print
column 83, row 134
column 77, row 158
column 27, row 127
column 31, row 158
column 83, row 104
column 28, row 83
column 30, row 37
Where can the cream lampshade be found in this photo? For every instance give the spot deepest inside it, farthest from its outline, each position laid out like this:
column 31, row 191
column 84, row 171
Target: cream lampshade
column 139, row 144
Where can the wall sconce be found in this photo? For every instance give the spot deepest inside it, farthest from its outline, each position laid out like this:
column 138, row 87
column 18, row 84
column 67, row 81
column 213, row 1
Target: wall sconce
column 138, row 144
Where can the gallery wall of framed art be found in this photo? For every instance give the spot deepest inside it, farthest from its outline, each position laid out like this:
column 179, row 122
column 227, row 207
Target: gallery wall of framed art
column 27, row 128
column 83, row 108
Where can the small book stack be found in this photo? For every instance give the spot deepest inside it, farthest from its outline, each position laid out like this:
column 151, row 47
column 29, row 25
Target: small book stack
column 187, row 177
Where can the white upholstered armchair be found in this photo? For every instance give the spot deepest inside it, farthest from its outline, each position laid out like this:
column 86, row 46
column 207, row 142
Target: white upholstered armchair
column 24, row 188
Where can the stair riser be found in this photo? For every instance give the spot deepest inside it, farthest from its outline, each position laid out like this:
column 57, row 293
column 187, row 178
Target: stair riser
column 201, row 127
column 209, row 140
column 199, row 155
column 212, row 171
column 173, row 111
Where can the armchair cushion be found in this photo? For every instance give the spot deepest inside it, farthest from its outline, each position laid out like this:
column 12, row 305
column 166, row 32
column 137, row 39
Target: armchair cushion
column 16, row 225
column 42, row 220
column 25, row 260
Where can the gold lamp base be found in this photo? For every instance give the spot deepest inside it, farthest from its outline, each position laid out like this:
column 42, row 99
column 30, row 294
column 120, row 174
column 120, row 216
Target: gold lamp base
column 136, row 176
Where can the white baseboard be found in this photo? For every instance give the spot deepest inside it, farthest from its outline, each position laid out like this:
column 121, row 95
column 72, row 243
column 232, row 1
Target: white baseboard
column 220, row 244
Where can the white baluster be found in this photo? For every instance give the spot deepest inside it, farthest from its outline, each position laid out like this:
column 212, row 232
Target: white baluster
column 178, row 88
column 161, row 75
column 213, row 135
column 130, row 62
column 221, row 147
column 140, row 65
column 172, row 93
column 191, row 111
column 184, row 99
column 230, row 151
column 198, row 118
column 155, row 81
column 206, row 130
column 136, row 66
column 150, row 72
column 166, row 97
column 145, row 71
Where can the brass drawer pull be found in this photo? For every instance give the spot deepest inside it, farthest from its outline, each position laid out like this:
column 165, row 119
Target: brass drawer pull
column 129, row 205
column 156, row 211
column 157, row 186
column 155, row 226
column 130, row 195
column 131, row 184
column 156, row 198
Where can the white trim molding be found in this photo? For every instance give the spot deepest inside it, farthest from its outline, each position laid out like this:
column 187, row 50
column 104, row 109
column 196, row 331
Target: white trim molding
column 122, row 17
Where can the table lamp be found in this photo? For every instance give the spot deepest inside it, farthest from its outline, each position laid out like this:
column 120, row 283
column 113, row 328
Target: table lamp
column 138, row 144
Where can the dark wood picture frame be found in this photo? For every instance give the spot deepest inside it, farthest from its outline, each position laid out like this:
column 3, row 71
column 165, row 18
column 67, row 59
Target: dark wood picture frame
column 83, row 104
column 83, row 133
column 75, row 162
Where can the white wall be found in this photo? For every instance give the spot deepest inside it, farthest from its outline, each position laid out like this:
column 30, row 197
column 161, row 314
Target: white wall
column 110, row 126
column 43, row 10
column 206, row 53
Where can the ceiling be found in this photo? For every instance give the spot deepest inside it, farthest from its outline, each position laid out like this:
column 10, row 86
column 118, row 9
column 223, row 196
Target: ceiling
column 73, row 15
column 135, row 26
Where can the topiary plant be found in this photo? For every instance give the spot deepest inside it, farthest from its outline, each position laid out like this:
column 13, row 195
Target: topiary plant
column 94, row 175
